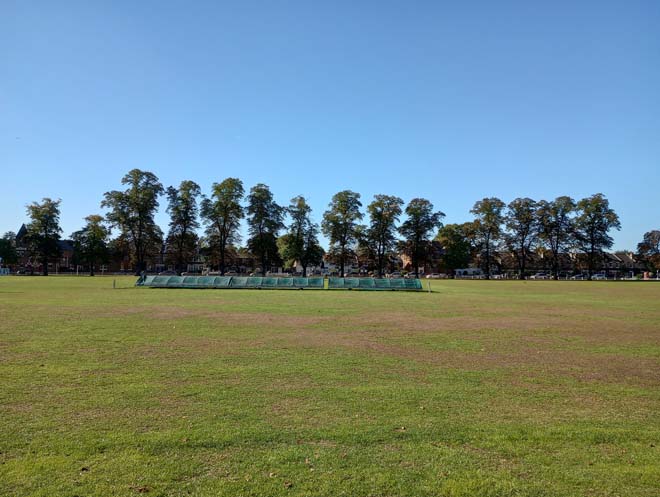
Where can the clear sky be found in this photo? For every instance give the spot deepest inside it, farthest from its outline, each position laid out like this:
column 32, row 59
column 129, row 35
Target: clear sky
column 451, row 101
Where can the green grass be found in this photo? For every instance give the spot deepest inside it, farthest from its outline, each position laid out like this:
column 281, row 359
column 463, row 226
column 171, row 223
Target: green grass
column 477, row 389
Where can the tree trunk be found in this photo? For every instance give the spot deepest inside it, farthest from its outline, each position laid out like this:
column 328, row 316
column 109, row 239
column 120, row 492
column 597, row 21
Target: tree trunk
column 91, row 268
column 341, row 263
column 222, row 261
column 44, row 266
column 304, row 273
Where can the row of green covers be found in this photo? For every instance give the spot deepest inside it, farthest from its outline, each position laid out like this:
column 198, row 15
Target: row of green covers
column 374, row 284
column 230, row 282
column 273, row 282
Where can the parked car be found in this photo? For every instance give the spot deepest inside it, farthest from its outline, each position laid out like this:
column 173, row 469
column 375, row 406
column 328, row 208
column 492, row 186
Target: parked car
column 578, row 277
column 539, row 276
column 599, row 277
column 435, row 276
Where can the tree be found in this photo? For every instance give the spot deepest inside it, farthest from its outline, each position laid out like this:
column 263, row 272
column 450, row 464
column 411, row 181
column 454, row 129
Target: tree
column 91, row 242
column 384, row 213
column 8, row 254
column 301, row 242
column 521, row 223
column 222, row 214
column 455, row 242
column 43, row 231
column 416, row 229
column 488, row 227
column 183, row 209
column 593, row 223
column 649, row 249
column 264, row 223
column 340, row 224
column 556, row 227
column 132, row 212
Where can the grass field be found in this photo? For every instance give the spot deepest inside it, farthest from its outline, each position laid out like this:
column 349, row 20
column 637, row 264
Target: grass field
column 477, row 389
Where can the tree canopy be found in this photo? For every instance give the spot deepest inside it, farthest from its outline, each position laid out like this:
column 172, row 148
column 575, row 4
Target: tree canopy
column 384, row 212
column 301, row 242
column 132, row 212
column 421, row 220
column 43, row 231
column 222, row 214
column 91, row 242
column 487, row 227
column 182, row 206
column 593, row 223
column 340, row 223
column 265, row 220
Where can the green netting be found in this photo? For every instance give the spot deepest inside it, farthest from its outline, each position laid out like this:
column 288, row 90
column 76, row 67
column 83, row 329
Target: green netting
column 268, row 282
column 239, row 281
column 284, row 282
column 222, row 281
column 278, row 282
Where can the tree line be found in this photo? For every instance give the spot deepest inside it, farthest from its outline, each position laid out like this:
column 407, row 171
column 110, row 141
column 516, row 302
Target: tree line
column 288, row 234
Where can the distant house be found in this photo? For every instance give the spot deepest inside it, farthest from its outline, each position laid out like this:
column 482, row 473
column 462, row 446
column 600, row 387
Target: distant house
column 27, row 261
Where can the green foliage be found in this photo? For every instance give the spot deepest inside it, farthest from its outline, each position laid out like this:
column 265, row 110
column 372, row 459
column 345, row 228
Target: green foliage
column 384, row 213
column 416, row 229
column 301, row 243
column 456, row 245
column 91, row 242
column 649, row 249
column 265, row 220
column 222, row 214
column 8, row 254
column 593, row 223
column 556, row 227
column 43, row 231
column 183, row 210
column 340, row 224
column 487, row 228
column 522, row 226
column 132, row 212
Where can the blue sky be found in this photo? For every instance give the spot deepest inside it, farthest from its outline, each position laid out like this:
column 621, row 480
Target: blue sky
column 451, row 101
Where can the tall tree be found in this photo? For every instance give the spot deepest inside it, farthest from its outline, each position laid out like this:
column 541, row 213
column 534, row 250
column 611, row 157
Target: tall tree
column 340, row 223
column 556, row 227
column 384, row 213
column 594, row 221
column 183, row 210
column 91, row 242
column 265, row 218
column 222, row 214
column 301, row 242
column 132, row 212
column 416, row 229
column 487, row 225
column 456, row 246
column 8, row 253
column 649, row 249
column 521, row 223
column 43, row 231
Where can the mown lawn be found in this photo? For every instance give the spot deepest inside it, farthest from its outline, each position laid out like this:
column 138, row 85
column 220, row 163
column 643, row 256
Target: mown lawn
column 477, row 389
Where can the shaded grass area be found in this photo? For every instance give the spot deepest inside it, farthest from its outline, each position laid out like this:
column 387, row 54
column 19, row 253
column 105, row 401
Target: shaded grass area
column 477, row 389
